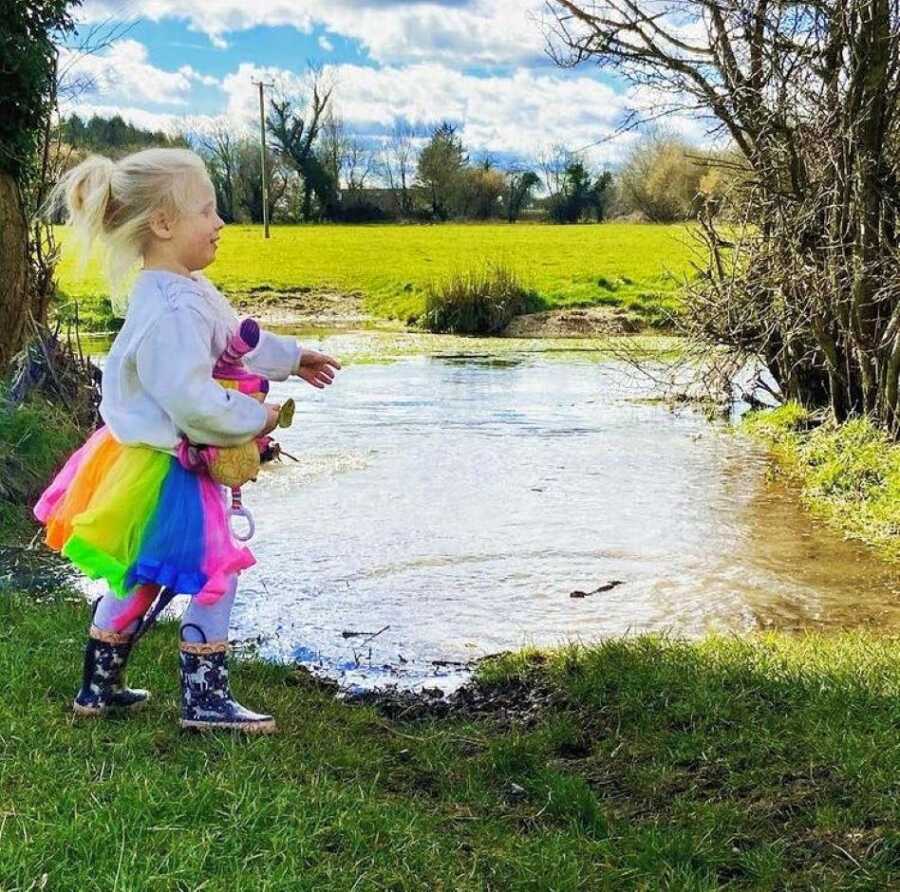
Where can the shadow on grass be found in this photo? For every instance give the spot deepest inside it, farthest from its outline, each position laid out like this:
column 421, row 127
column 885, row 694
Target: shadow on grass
column 769, row 762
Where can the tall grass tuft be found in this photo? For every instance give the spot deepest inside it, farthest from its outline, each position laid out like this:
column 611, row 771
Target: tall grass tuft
column 33, row 440
column 481, row 301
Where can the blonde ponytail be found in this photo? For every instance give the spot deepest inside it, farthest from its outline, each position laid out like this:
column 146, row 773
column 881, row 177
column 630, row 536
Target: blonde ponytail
column 111, row 202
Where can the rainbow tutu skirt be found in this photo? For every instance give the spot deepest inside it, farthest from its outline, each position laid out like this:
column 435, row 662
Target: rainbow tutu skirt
column 133, row 515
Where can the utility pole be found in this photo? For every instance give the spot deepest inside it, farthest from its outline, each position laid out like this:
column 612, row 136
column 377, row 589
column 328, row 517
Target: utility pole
column 262, row 137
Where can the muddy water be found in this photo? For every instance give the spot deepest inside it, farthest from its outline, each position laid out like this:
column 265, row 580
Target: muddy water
column 452, row 494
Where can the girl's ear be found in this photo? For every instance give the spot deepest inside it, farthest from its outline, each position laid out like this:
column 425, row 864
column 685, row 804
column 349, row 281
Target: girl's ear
column 160, row 225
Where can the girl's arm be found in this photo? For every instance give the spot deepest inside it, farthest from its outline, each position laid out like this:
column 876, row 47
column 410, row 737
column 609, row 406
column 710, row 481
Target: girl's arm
column 174, row 365
column 276, row 357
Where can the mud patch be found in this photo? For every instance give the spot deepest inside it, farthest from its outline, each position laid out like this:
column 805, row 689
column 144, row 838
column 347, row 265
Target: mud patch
column 575, row 322
column 520, row 701
column 300, row 306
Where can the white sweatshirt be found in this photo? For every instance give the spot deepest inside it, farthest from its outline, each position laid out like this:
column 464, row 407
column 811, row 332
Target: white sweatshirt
column 157, row 382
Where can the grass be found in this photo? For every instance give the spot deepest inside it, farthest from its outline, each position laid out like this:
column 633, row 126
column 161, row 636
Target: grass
column 34, row 438
column 848, row 474
column 482, row 301
column 640, row 267
column 765, row 763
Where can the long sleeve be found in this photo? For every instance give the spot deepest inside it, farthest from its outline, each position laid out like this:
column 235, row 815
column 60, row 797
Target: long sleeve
column 276, row 356
column 174, row 367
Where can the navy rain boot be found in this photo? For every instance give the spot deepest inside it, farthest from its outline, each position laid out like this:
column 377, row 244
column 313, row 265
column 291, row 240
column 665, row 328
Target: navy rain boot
column 206, row 701
column 103, row 682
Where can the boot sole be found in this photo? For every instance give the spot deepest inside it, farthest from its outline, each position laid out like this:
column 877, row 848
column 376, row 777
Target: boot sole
column 247, row 727
column 96, row 712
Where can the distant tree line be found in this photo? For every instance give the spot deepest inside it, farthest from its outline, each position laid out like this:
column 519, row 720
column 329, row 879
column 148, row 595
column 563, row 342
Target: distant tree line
column 318, row 170
column 112, row 136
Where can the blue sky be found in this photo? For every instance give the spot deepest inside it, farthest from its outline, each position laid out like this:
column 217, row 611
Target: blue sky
column 187, row 64
column 172, row 44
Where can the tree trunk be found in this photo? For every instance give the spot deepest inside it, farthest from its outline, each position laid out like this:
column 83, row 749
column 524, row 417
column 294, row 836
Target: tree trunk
column 15, row 297
column 306, row 212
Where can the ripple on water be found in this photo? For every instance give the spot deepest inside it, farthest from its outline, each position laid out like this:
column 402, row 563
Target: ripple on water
column 448, row 506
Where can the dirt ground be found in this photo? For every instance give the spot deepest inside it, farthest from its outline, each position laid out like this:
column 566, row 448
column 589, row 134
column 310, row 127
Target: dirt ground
column 301, row 308
column 520, row 701
column 574, row 322
column 324, row 308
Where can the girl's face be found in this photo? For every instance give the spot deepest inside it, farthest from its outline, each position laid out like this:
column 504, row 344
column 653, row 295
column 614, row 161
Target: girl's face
column 194, row 236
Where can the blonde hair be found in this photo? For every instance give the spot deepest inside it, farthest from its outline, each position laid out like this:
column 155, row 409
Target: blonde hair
column 112, row 202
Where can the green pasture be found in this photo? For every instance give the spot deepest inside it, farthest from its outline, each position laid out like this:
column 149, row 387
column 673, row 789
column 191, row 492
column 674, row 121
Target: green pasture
column 765, row 763
column 637, row 266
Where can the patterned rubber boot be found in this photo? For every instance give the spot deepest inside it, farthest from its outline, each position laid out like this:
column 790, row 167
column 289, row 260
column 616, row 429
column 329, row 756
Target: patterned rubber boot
column 103, row 682
column 206, row 701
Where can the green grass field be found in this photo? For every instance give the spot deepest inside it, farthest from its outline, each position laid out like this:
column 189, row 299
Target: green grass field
column 733, row 763
column 637, row 266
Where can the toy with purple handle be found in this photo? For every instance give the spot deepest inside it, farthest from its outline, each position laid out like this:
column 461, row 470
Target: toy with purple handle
column 230, row 366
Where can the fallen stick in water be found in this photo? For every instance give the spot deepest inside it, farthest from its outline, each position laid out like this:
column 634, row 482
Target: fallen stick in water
column 603, row 588
column 351, row 634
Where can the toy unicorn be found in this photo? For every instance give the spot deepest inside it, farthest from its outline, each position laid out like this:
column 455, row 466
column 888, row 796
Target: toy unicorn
column 234, row 466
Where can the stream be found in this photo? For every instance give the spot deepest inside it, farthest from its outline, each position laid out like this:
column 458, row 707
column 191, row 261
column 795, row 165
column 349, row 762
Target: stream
column 451, row 494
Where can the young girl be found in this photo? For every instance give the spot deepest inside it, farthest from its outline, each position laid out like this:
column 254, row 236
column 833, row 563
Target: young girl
column 124, row 508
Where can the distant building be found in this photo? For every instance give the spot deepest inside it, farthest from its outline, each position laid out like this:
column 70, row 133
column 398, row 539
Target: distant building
column 387, row 201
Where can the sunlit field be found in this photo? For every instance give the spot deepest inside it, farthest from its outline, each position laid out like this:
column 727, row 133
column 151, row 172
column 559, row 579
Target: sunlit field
column 637, row 266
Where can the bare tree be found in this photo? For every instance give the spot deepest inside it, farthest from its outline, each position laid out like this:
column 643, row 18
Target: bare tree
column 808, row 92
column 398, row 161
column 221, row 146
column 357, row 164
column 552, row 163
column 295, row 125
column 345, row 156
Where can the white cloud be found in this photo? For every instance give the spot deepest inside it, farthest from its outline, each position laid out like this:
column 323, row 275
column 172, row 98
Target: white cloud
column 456, row 32
column 122, row 72
column 518, row 112
column 514, row 114
column 206, row 79
column 326, row 44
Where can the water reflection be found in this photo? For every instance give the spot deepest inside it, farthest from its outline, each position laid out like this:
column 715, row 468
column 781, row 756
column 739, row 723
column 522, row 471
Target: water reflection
column 445, row 506
column 461, row 502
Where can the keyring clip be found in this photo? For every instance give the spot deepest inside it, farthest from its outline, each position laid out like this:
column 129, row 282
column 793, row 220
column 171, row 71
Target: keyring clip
column 251, row 525
column 238, row 510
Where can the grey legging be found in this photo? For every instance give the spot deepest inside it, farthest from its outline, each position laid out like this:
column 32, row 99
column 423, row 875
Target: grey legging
column 199, row 622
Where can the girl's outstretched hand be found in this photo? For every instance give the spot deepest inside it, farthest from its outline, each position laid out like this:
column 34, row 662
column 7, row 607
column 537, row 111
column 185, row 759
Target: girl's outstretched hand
column 317, row 368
